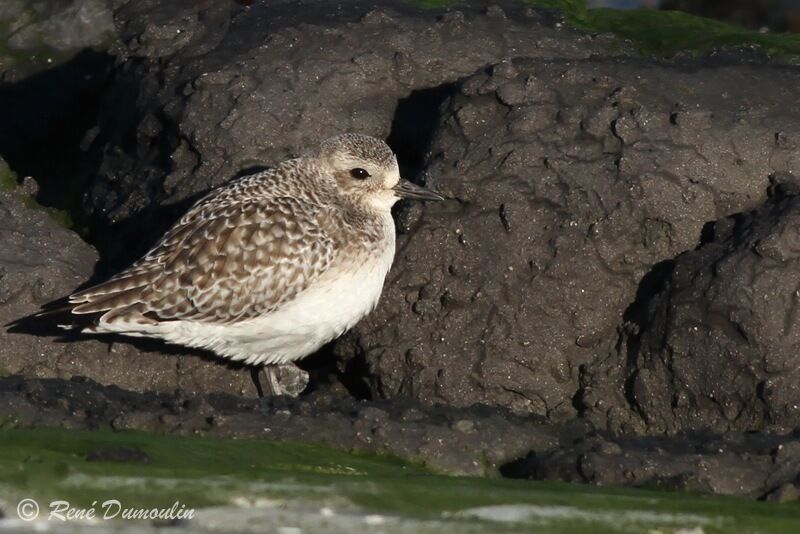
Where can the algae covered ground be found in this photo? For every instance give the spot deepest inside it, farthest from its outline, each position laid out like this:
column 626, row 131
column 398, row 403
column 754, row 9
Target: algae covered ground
column 247, row 485
column 670, row 32
column 662, row 33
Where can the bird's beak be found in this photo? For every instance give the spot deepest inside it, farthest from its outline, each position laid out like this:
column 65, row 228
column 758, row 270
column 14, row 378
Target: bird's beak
column 406, row 189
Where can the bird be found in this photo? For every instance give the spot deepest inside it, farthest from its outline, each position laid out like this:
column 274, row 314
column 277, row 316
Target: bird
column 269, row 267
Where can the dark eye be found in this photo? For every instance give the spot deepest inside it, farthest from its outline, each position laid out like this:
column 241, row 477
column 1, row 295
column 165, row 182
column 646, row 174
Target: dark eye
column 359, row 174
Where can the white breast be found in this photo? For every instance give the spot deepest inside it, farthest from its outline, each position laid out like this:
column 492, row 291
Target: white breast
column 330, row 306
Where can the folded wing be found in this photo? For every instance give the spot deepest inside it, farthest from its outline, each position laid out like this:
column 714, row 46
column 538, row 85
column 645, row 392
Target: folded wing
column 223, row 262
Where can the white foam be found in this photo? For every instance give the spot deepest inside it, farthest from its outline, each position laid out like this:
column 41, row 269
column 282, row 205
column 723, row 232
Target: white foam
column 516, row 513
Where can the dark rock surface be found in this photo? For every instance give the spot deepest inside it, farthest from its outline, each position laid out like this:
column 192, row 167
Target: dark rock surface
column 471, row 441
column 571, row 181
column 752, row 465
column 41, row 261
column 718, row 344
column 475, row 441
column 576, row 179
column 202, row 93
column 37, row 34
column 619, row 250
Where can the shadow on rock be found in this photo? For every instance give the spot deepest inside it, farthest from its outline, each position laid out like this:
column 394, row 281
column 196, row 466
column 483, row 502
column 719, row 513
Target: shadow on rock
column 47, row 121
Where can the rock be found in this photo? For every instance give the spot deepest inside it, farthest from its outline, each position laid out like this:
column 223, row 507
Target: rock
column 204, row 93
column 39, row 34
column 718, row 343
column 288, row 380
column 571, row 181
column 435, row 437
column 477, row 440
column 67, row 25
column 575, row 180
column 785, row 493
column 200, row 93
column 734, row 464
column 41, row 261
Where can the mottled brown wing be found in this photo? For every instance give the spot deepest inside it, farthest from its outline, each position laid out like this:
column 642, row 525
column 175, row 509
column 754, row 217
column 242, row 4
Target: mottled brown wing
column 223, row 263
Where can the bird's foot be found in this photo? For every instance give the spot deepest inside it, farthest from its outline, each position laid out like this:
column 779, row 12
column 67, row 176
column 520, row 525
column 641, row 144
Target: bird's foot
column 286, row 379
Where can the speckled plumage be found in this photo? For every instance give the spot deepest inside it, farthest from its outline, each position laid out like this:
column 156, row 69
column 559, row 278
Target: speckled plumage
column 268, row 268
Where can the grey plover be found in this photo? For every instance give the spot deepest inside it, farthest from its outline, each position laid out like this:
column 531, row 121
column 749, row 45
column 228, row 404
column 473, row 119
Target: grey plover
column 270, row 267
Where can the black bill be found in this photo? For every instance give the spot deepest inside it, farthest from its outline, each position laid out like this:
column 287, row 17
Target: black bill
column 405, row 189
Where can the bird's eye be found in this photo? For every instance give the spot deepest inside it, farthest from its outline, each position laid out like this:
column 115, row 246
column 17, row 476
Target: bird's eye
column 359, row 174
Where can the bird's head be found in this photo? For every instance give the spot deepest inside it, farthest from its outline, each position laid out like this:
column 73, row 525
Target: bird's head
column 366, row 171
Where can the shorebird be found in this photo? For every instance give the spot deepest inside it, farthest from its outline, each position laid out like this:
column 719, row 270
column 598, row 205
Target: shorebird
column 268, row 268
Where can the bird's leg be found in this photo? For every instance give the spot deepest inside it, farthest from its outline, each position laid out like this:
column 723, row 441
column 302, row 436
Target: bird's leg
column 286, row 379
column 254, row 372
column 272, row 380
column 293, row 380
column 273, row 385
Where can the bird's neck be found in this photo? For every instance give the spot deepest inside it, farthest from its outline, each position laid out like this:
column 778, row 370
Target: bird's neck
column 367, row 225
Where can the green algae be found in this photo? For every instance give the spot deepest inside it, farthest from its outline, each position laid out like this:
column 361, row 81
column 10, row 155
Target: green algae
column 201, row 472
column 49, row 464
column 9, row 181
column 661, row 33
column 61, row 216
column 670, row 32
column 8, row 178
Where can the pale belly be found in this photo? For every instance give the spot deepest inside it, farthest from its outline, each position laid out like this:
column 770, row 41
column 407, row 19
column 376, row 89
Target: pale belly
column 322, row 312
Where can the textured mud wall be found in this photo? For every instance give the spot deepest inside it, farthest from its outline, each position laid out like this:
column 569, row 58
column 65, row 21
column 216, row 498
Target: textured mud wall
column 718, row 345
column 571, row 181
column 585, row 264
column 201, row 92
column 204, row 94
column 38, row 34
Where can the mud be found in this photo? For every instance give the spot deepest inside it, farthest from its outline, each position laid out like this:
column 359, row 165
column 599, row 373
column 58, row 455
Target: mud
column 572, row 181
column 717, row 345
column 474, row 441
column 763, row 466
column 208, row 93
column 36, row 35
column 467, row 441
column 616, row 259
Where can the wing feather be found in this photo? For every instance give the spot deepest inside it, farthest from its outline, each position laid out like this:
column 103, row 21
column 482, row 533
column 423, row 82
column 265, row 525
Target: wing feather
column 223, row 263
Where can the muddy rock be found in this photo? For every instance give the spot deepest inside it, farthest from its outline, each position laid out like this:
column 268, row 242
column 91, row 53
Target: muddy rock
column 763, row 466
column 717, row 346
column 473, row 441
column 199, row 93
column 37, row 34
column 203, row 93
column 41, row 261
column 575, row 181
column 61, row 24
column 478, row 440
column 570, row 182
